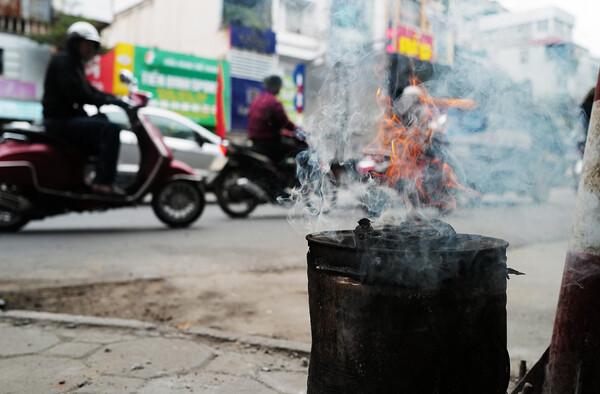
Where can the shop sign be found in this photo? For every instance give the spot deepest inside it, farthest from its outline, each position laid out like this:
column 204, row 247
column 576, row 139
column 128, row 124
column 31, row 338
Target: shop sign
column 410, row 42
column 182, row 83
column 17, row 89
column 243, row 93
column 292, row 94
column 100, row 72
column 262, row 41
column 299, row 78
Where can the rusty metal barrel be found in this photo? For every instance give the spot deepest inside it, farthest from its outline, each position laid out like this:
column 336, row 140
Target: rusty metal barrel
column 414, row 308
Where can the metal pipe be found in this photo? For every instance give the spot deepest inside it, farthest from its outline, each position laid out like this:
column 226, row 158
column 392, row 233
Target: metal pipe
column 574, row 364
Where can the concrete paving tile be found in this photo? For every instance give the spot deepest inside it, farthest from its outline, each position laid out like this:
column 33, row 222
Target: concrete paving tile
column 284, row 381
column 243, row 386
column 24, row 340
column 150, row 357
column 110, row 384
column 199, row 382
column 94, row 335
column 39, row 374
column 73, row 349
column 234, row 364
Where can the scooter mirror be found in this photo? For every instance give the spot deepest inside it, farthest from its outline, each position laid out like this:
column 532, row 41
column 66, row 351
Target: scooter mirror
column 127, row 77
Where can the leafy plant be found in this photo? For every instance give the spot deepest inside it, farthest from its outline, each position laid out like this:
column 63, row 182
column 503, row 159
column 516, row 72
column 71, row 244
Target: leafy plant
column 57, row 33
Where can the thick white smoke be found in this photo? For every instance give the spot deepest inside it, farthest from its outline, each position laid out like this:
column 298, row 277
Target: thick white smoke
column 510, row 142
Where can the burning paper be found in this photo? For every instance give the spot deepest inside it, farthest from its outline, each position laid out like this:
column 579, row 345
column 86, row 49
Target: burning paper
column 411, row 139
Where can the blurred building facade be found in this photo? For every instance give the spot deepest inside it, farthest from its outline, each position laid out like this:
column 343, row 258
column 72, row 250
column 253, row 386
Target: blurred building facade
column 420, row 29
column 292, row 38
column 535, row 48
column 22, row 60
column 373, row 46
column 257, row 38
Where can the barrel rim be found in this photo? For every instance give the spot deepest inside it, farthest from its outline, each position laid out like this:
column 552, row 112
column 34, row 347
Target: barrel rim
column 322, row 239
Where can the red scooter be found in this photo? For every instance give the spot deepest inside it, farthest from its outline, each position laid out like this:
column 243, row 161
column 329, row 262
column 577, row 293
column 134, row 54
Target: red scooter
column 42, row 176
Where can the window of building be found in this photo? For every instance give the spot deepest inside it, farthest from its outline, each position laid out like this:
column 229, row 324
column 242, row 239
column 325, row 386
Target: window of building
column 301, row 17
column 558, row 26
column 294, row 18
column 410, row 12
column 562, row 28
column 249, row 13
column 524, row 28
column 542, row 26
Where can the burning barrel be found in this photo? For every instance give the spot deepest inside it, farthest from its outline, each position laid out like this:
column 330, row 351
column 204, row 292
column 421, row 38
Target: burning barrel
column 414, row 309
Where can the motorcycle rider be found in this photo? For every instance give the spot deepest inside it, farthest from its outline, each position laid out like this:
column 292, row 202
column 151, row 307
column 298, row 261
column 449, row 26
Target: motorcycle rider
column 267, row 119
column 66, row 90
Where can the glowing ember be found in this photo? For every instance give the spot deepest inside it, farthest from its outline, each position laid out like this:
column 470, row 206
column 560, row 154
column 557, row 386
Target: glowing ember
column 412, row 137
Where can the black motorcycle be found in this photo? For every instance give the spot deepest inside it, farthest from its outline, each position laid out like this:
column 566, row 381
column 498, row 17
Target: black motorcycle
column 251, row 178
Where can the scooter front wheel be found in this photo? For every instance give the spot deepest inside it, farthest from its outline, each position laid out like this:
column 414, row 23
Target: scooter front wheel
column 178, row 204
column 233, row 201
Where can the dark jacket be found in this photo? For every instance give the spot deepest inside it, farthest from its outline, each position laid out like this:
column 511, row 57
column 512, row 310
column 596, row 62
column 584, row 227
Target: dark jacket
column 586, row 106
column 266, row 118
column 66, row 89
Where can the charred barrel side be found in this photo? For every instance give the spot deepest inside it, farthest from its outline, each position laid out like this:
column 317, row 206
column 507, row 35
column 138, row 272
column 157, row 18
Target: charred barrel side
column 427, row 316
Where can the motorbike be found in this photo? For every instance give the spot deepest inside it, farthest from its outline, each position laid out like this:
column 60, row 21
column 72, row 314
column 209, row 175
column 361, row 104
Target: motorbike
column 434, row 187
column 43, row 176
column 251, row 178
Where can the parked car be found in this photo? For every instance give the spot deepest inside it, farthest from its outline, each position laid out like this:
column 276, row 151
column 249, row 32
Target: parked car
column 191, row 143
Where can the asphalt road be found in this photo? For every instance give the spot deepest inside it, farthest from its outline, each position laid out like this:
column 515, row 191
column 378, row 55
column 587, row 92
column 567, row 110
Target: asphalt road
column 122, row 244
column 131, row 243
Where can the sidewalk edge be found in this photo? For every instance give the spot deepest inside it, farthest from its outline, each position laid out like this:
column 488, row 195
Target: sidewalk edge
column 203, row 332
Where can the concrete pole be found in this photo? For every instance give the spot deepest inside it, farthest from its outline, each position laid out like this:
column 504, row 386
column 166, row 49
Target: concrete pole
column 574, row 365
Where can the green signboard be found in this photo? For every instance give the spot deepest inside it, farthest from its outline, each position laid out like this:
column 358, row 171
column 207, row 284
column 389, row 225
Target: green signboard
column 183, row 83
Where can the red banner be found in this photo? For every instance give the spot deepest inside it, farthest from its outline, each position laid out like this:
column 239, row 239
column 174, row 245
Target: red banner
column 100, row 72
column 221, row 123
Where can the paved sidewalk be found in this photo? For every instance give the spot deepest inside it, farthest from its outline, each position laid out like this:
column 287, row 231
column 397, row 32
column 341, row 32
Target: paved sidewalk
column 41, row 356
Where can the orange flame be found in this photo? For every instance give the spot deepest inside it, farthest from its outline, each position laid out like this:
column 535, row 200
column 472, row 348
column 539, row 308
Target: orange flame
column 412, row 143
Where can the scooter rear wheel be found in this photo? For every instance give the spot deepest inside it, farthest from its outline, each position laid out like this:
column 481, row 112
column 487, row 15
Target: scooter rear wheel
column 178, row 204
column 11, row 222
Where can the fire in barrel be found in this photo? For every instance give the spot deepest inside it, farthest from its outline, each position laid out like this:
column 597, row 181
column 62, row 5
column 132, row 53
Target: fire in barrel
column 414, row 308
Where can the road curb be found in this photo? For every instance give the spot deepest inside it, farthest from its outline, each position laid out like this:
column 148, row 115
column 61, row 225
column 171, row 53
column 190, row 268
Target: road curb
column 300, row 348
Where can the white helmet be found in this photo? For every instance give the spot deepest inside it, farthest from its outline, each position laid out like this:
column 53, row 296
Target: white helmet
column 409, row 100
column 84, row 30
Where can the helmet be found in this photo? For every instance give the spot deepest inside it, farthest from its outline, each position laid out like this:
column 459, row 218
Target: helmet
column 413, row 91
column 84, row 30
column 409, row 100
